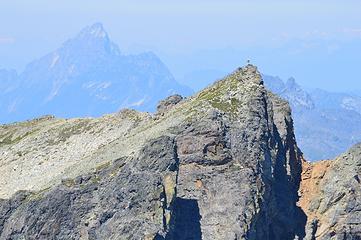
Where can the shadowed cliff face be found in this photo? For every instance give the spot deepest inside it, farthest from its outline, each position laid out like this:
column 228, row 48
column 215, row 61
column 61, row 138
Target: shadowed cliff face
column 222, row 164
column 187, row 220
column 241, row 163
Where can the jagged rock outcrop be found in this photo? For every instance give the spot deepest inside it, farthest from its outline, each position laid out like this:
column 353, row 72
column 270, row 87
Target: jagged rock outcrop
column 331, row 197
column 238, row 167
column 223, row 164
column 168, row 103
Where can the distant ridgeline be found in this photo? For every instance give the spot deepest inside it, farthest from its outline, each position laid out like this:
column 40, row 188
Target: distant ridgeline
column 326, row 124
column 89, row 76
column 86, row 76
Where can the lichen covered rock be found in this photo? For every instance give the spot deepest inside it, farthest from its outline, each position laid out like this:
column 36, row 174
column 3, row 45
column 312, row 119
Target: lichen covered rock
column 222, row 164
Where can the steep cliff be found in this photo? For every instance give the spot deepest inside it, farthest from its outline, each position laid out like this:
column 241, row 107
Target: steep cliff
column 331, row 194
column 223, row 164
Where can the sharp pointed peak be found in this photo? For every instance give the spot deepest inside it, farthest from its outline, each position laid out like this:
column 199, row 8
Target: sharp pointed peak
column 92, row 39
column 95, row 30
column 291, row 83
column 250, row 68
column 249, row 73
column 97, row 25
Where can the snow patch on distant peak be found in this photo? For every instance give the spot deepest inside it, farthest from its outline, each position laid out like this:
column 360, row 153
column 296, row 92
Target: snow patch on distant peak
column 138, row 103
column 351, row 103
column 97, row 85
column 71, row 69
column 55, row 90
column 12, row 107
column 55, row 60
column 97, row 30
column 98, row 33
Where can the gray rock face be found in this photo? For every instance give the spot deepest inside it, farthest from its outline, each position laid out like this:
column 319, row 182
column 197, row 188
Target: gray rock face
column 335, row 211
column 125, row 199
column 222, row 164
column 236, row 174
column 168, row 103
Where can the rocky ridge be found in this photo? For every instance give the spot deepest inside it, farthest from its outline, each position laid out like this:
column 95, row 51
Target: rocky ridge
column 222, row 164
column 331, row 193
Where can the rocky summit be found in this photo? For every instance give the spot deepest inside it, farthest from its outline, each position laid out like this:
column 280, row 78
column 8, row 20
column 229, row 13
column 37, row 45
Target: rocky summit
column 222, row 164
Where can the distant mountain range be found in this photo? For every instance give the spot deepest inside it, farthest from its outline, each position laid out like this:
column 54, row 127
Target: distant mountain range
column 326, row 123
column 87, row 76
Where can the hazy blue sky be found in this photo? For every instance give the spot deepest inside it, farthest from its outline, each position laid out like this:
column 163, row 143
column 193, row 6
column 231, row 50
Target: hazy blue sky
column 317, row 42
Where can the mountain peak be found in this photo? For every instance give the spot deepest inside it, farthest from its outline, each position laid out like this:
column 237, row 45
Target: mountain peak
column 250, row 68
column 251, row 73
column 92, row 39
column 291, row 83
column 96, row 31
column 227, row 136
